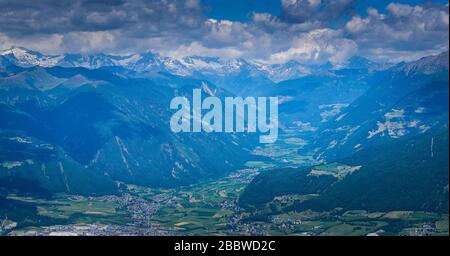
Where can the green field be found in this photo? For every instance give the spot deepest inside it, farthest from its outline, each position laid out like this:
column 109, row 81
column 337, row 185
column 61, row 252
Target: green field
column 211, row 208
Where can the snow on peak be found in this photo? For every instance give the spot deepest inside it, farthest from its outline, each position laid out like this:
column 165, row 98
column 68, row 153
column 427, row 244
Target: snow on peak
column 23, row 57
column 191, row 65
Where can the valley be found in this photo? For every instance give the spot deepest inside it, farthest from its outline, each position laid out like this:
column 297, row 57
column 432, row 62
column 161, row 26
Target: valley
column 86, row 149
column 212, row 208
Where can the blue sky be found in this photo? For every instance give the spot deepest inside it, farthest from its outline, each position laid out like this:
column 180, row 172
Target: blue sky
column 381, row 4
column 241, row 10
column 274, row 31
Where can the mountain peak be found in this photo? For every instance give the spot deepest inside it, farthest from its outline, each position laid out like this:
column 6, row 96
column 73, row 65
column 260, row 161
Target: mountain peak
column 360, row 62
column 17, row 50
column 189, row 65
column 427, row 65
column 24, row 57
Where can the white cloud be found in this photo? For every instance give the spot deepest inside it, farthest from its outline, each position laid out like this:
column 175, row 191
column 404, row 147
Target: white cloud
column 318, row 47
column 404, row 31
column 43, row 43
column 178, row 28
column 198, row 49
column 357, row 24
column 400, row 10
column 85, row 42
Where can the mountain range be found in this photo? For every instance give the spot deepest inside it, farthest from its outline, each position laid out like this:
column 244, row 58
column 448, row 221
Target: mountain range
column 235, row 75
column 64, row 126
column 387, row 150
column 86, row 124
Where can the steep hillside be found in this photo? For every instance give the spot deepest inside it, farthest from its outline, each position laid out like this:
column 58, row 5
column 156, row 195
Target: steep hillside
column 409, row 174
column 399, row 103
column 106, row 125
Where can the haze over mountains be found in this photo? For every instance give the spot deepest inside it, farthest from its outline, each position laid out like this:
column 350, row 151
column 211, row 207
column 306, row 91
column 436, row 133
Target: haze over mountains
column 236, row 75
column 88, row 123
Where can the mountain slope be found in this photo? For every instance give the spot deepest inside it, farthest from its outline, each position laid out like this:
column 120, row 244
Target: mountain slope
column 399, row 103
column 410, row 174
column 388, row 150
column 113, row 126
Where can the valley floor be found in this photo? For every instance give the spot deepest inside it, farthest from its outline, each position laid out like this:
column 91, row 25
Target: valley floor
column 209, row 208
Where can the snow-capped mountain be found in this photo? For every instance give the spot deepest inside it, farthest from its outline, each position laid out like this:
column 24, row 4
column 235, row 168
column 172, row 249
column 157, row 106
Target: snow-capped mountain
column 20, row 56
column 198, row 66
column 287, row 71
column 62, row 125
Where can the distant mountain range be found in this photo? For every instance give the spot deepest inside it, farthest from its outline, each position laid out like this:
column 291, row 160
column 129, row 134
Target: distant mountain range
column 235, row 75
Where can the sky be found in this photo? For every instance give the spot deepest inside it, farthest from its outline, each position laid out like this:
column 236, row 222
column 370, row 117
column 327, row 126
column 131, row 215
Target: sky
column 271, row 31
